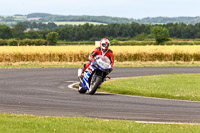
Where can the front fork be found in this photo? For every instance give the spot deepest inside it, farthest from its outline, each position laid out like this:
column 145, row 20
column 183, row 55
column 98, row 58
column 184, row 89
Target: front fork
column 103, row 75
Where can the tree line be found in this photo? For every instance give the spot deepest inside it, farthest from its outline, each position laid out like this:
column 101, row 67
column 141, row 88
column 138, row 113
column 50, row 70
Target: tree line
column 96, row 32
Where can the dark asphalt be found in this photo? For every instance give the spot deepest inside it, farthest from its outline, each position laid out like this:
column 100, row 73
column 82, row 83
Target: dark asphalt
column 45, row 92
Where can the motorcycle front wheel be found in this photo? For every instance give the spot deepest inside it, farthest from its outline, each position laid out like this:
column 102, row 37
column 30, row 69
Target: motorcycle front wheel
column 81, row 90
column 94, row 85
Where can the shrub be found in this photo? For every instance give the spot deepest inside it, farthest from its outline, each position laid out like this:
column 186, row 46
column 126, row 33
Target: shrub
column 25, row 42
column 3, row 42
column 39, row 42
column 114, row 42
column 12, row 42
column 160, row 34
column 52, row 38
column 141, row 37
column 36, row 42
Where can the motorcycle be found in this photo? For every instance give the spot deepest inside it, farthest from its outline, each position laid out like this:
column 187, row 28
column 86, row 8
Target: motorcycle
column 94, row 75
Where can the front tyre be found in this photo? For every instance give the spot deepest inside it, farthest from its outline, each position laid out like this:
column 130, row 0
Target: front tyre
column 94, row 85
column 81, row 90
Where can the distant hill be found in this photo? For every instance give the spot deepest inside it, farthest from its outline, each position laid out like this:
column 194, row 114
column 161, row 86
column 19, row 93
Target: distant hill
column 38, row 15
column 102, row 19
column 164, row 20
column 109, row 20
column 46, row 17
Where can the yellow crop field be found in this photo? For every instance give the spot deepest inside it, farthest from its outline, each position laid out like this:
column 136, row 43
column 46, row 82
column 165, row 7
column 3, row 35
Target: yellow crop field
column 81, row 53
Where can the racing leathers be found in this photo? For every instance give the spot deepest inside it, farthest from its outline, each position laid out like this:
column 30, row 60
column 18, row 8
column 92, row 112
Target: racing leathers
column 99, row 51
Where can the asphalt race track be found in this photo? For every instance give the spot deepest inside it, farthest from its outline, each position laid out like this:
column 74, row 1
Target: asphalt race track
column 45, row 92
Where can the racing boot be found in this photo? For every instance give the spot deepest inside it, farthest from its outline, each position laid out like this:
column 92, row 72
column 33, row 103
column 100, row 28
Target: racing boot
column 80, row 74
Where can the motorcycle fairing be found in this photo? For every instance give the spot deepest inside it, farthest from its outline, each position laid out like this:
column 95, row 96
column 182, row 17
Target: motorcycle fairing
column 86, row 76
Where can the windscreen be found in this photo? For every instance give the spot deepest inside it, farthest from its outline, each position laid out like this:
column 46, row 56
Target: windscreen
column 103, row 58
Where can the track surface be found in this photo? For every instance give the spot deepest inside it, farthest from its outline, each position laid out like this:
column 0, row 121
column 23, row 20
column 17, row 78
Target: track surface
column 45, row 92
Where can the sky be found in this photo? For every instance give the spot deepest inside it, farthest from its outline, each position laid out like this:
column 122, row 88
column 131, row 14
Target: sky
column 135, row 9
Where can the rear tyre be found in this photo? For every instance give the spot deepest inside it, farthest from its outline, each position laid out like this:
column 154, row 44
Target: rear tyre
column 94, row 86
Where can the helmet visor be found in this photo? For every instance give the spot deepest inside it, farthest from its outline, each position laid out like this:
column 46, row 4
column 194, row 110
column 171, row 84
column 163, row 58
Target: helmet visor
column 105, row 44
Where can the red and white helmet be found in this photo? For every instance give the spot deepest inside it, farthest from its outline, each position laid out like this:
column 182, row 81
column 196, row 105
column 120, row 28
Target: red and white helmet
column 104, row 44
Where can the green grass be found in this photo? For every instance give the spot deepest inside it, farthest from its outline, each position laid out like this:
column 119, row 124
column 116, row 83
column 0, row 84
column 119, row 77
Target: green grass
column 174, row 86
column 80, row 64
column 40, row 66
column 10, row 123
column 157, row 65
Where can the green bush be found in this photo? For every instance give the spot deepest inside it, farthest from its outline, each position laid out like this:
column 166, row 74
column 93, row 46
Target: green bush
column 25, row 42
column 36, row 42
column 121, row 38
column 144, row 43
column 140, row 37
column 114, row 42
column 161, row 34
column 39, row 42
column 12, row 42
column 75, row 43
column 52, row 38
column 3, row 42
column 135, row 43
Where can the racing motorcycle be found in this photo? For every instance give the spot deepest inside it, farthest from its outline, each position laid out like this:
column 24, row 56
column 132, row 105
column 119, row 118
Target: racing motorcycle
column 94, row 75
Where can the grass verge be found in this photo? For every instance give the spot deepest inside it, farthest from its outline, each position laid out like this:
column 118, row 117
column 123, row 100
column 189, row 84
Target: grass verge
column 174, row 86
column 41, row 65
column 80, row 64
column 10, row 123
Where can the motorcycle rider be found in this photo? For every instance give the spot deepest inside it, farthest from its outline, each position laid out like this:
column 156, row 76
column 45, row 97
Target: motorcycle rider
column 102, row 50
